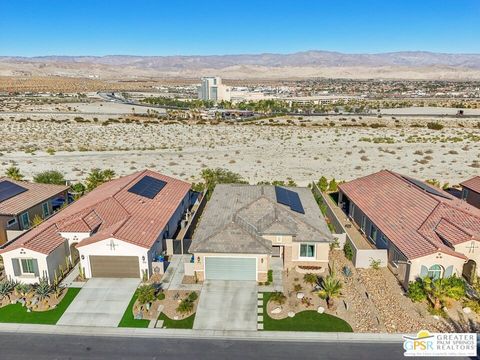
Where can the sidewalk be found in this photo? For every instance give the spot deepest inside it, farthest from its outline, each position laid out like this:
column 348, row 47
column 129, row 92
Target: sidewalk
column 202, row 334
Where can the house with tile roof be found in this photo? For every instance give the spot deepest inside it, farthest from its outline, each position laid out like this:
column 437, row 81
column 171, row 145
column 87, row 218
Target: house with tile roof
column 244, row 226
column 116, row 230
column 22, row 201
column 427, row 231
column 471, row 191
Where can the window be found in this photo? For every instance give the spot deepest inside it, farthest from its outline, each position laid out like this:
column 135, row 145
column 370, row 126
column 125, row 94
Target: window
column 364, row 223
column 373, row 234
column 46, row 209
column 27, row 266
column 307, row 250
column 435, row 272
column 464, row 194
column 396, row 257
column 11, row 222
column 25, row 220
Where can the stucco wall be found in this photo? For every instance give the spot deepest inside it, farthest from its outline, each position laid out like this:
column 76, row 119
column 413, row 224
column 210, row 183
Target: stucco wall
column 56, row 259
column 262, row 267
column 292, row 258
column 473, row 198
column 437, row 258
column 465, row 248
column 121, row 248
column 25, row 254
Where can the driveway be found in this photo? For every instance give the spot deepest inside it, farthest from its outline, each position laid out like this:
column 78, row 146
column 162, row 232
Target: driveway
column 101, row 302
column 227, row 305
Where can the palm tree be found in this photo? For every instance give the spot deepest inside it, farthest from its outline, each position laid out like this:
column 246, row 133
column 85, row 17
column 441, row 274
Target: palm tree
column 331, row 287
column 439, row 289
column 14, row 173
column 108, row 174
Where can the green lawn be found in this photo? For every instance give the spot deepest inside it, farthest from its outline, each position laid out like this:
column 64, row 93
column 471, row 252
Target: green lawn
column 308, row 320
column 128, row 320
column 16, row 313
column 168, row 323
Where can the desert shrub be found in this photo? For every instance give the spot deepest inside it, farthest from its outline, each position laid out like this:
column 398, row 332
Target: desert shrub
column 185, row 306
column 278, row 297
column 375, row 264
column 297, row 287
column 434, row 126
column 416, row 292
column 310, row 278
column 348, row 251
column 193, row 296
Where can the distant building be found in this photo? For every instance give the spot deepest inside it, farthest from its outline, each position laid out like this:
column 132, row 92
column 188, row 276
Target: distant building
column 211, row 88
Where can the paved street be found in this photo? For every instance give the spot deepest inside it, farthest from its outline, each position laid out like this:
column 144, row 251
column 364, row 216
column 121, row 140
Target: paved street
column 41, row 347
column 101, row 302
column 227, row 305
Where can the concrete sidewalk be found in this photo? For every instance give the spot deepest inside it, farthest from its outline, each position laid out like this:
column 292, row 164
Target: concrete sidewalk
column 202, row 334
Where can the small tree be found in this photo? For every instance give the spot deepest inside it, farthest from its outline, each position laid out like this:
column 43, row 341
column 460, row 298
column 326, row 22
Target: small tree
column 78, row 190
column 331, row 287
column 323, row 184
column 332, row 185
column 278, row 297
column 14, row 173
column 146, row 294
column 50, row 177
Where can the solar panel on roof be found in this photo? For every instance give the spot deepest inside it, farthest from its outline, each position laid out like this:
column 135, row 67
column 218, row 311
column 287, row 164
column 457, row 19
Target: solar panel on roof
column 425, row 187
column 289, row 198
column 9, row 190
column 147, row 187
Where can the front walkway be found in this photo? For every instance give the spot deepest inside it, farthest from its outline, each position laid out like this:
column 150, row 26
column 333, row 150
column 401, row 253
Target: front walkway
column 227, row 305
column 101, row 302
column 276, row 266
column 173, row 277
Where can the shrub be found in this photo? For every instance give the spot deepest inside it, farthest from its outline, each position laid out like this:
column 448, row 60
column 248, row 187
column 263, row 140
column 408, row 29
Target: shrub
column 375, row 264
column 297, row 287
column 278, row 297
column 50, row 177
column 146, row 294
column 347, row 271
column 348, row 251
column 185, row 306
column 6, row 287
column 270, row 276
column 323, row 184
column 43, row 289
column 192, row 296
column 434, row 126
column 310, row 279
column 161, row 296
column 416, row 292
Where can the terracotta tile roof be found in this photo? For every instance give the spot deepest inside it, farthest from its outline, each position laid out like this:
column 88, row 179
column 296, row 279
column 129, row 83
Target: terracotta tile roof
column 36, row 194
column 409, row 215
column 472, row 184
column 110, row 210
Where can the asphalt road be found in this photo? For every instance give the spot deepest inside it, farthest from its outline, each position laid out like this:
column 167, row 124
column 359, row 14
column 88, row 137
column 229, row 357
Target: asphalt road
column 29, row 346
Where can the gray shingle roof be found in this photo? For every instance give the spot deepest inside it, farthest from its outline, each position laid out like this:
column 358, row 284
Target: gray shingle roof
column 237, row 216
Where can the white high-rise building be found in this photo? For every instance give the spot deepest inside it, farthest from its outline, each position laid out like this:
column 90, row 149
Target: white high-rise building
column 211, row 88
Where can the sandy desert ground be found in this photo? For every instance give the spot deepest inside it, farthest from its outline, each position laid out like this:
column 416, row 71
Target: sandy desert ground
column 271, row 151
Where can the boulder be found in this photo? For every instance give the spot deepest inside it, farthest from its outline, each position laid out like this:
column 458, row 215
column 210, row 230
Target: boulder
column 300, row 295
column 321, row 310
column 175, row 317
column 277, row 310
column 436, row 317
column 291, row 314
column 138, row 316
column 467, row 310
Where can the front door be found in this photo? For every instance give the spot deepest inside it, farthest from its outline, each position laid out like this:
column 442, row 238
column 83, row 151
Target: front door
column 469, row 271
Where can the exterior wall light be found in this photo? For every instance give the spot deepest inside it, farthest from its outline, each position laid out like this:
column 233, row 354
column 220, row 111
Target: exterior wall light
column 198, row 259
column 83, row 257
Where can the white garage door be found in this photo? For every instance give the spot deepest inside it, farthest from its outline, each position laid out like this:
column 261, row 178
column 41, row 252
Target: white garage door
column 230, row 268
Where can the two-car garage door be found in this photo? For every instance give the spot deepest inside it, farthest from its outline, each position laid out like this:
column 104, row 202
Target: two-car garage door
column 114, row 266
column 230, row 268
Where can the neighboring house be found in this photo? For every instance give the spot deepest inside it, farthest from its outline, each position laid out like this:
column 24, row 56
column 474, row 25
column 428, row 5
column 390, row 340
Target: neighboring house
column 116, row 230
column 22, row 201
column 244, row 226
column 471, row 191
column 425, row 230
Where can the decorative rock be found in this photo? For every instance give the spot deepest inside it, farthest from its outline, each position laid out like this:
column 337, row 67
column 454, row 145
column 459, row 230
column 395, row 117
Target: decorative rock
column 29, row 310
column 300, row 295
column 277, row 310
column 321, row 310
column 175, row 317
column 436, row 317
column 138, row 316
column 291, row 314
column 467, row 310
column 445, row 309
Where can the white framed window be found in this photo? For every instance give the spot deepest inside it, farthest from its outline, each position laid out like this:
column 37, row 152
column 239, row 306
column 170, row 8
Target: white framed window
column 307, row 251
column 364, row 223
column 435, row 272
column 25, row 220
column 11, row 222
column 27, row 266
column 373, row 233
column 45, row 209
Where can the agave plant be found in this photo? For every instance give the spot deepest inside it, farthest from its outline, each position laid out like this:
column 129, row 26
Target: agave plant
column 23, row 289
column 6, row 288
column 43, row 289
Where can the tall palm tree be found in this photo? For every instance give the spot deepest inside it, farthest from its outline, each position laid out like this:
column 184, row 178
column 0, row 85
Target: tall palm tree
column 331, row 287
column 14, row 173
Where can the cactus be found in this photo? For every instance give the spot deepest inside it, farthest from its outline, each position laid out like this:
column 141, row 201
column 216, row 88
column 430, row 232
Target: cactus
column 81, row 272
column 347, row 271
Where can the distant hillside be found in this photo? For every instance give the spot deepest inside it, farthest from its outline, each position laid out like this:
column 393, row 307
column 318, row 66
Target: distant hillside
column 408, row 65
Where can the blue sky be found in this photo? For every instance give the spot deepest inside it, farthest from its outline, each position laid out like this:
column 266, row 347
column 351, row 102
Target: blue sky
column 186, row 27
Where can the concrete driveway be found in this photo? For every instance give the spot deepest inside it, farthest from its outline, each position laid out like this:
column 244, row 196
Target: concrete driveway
column 100, row 302
column 227, row 305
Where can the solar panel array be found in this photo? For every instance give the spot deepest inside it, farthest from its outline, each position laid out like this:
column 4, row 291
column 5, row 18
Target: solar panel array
column 9, row 190
column 147, row 187
column 289, row 198
column 426, row 187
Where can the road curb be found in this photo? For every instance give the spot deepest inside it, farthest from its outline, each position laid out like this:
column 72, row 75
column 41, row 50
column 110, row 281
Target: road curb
column 292, row 336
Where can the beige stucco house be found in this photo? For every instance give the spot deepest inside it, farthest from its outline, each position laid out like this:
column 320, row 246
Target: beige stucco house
column 244, row 226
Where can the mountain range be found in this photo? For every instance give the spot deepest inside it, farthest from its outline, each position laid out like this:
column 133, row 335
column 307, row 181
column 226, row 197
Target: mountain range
column 307, row 64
